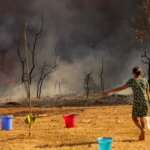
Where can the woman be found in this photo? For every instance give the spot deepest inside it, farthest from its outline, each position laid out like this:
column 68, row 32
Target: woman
column 140, row 89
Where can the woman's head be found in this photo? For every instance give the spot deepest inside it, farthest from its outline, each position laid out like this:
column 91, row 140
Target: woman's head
column 137, row 71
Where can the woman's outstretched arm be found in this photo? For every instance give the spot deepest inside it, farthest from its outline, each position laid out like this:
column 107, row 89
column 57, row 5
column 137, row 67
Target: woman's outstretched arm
column 110, row 92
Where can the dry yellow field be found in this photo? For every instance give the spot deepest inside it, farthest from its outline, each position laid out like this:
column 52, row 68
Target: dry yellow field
column 49, row 133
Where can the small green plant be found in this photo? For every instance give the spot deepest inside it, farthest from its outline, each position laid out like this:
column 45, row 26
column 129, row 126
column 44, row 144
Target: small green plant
column 29, row 120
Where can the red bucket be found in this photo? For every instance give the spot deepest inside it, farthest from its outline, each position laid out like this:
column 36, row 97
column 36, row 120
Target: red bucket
column 69, row 121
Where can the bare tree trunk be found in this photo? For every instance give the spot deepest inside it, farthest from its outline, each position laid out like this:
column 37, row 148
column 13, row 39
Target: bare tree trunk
column 101, row 82
column 87, row 92
column 102, row 75
column 39, row 88
column 26, row 56
column 59, row 87
column 37, row 91
column 45, row 71
column 87, row 84
column 43, row 76
column 28, row 83
column 146, row 60
column 149, row 73
column 28, row 71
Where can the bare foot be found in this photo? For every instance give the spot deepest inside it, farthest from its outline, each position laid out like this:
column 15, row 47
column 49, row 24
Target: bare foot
column 142, row 136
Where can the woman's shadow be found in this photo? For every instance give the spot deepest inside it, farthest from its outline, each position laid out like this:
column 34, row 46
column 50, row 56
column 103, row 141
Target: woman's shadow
column 127, row 140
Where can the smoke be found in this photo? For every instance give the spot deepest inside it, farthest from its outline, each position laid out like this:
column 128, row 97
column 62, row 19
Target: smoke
column 82, row 32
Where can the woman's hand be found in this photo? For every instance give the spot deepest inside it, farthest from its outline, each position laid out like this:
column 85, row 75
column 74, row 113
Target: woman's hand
column 107, row 93
column 111, row 92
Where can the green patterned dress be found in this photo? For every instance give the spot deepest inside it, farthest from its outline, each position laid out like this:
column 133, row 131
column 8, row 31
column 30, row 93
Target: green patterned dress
column 140, row 102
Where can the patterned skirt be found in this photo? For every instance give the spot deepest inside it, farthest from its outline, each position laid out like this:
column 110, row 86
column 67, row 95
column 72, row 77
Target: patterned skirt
column 140, row 109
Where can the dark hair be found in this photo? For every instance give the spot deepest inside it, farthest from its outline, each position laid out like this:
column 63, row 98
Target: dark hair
column 137, row 71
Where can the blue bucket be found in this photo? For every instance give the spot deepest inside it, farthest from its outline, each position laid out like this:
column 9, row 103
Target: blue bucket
column 7, row 123
column 105, row 143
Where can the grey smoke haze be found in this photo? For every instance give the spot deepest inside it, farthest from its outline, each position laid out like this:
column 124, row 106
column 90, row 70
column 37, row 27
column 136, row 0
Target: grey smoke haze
column 82, row 31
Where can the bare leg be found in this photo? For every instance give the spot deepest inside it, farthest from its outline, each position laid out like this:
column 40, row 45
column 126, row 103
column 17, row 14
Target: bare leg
column 142, row 122
column 136, row 122
column 141, row 125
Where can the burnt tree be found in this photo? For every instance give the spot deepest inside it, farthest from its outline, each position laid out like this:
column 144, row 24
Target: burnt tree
column 27, row 55
column 141, row 21
column 87, row 83
column 100, row 72
column 146, row 60
column 44, row 71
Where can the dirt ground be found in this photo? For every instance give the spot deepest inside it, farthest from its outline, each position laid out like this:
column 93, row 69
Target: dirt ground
column 49, row 133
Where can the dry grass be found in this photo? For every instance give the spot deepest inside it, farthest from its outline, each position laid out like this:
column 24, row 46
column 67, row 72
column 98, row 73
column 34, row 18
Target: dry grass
column 92, row 122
